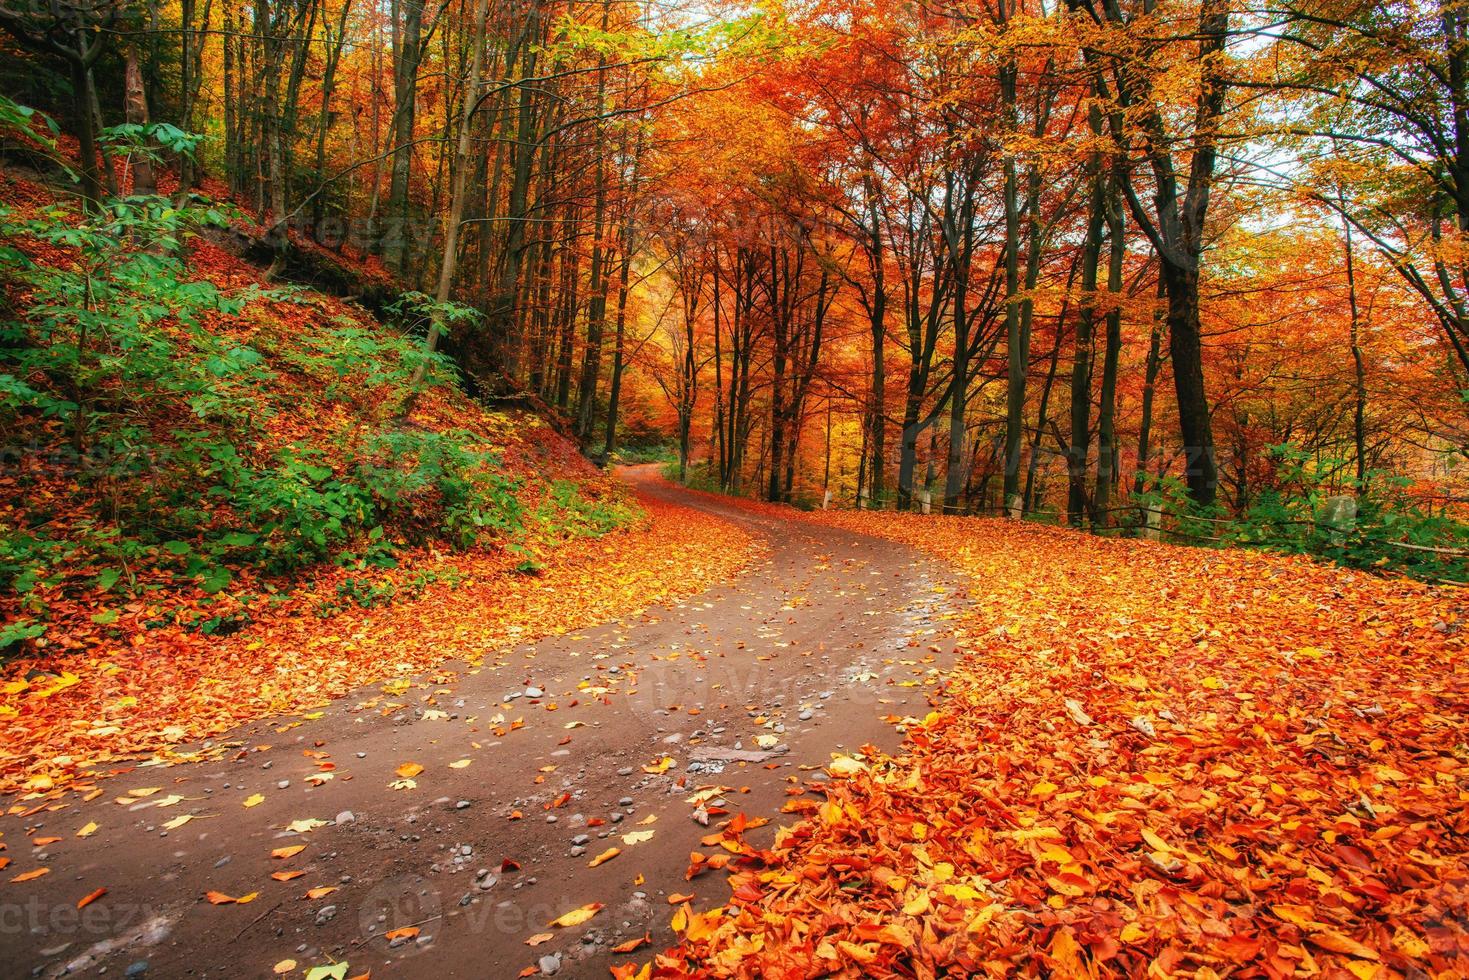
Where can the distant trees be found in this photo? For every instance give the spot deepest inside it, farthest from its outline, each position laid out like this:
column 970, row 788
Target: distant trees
column 993, row 250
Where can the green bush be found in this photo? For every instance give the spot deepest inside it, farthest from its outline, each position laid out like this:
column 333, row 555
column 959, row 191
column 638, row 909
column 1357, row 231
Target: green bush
column 566, row 513
column 118, row 372
column 1389, row 532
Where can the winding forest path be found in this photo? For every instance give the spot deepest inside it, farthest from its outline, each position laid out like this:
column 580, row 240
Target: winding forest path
column 742, row 692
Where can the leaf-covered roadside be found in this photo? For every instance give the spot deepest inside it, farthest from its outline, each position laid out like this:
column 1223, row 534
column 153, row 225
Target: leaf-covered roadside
column 102, row 712
column 1152, row 760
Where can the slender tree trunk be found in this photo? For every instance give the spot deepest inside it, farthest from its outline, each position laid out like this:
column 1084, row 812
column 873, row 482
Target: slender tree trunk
column 1150, row 386
column 1359, row 392
column 449, row 261
column 1106, row 421
column 137, row 113
column 1081, row 370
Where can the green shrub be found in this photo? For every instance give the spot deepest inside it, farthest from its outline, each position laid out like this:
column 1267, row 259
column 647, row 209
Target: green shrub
column 116, row 373
column 567, row 513
column 1390, row 532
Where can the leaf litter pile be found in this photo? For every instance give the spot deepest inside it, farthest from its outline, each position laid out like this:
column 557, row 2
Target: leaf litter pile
column 1150, row 761
column 66, row 719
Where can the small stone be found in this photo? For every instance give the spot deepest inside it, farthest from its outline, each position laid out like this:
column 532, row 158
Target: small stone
column 462, row 805
column 805, row 714
column 625, row 771
column 534, row 692
column 283, row 784
column 346, row 816
column 550, row 964
column 580, row 840
column 136, row 969
column 550, row 818
column 326, row 914
column 625, row 801
column 577, row 852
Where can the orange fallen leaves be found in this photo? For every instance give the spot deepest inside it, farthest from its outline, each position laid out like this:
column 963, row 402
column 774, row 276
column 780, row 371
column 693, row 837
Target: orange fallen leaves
column 604, row 857
column 90, row 897
column 220, row 898
column 1148, row 760
column 161, row 688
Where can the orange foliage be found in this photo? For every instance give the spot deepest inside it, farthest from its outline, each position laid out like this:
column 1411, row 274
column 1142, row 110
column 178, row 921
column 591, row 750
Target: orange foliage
column 1150, row 760
column 169, row 687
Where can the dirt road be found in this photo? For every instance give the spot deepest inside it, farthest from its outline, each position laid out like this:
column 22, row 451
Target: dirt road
column 599, row 739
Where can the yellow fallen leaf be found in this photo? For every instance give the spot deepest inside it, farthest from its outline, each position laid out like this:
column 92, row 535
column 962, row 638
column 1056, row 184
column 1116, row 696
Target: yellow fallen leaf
column 577, row 916
column 305, row 826
column 1341, row 943
column 88, row 830
column 409, row 769
column 283, row 967
column 461, row 764
column 540, row 937
column 637, row 837
column 178, row 821
column 255, row 800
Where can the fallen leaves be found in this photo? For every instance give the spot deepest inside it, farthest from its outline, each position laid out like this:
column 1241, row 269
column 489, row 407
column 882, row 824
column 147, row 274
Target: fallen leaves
column 577, row 916
column 289, row 851
column 159, row 694
column 305, row 826
column 633, row 944
column 31, row 875
column 1149, row 760
column 90, row 897
column 220, row 898
column 604, row 857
